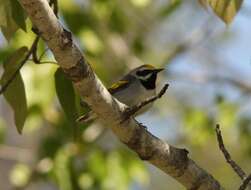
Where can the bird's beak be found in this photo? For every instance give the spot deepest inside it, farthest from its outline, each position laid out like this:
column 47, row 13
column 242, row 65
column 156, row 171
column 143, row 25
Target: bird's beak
column 158, row 70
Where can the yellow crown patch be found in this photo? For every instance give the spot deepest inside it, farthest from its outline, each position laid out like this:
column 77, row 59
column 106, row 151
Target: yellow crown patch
column 149, row 67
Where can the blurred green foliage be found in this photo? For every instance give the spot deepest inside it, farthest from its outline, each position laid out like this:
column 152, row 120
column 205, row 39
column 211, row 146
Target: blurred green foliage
column 114, row 36
column 20, row 175
column 2, row 131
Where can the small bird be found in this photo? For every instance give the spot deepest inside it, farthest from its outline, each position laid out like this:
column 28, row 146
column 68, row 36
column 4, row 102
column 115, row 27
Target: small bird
column 135, row 87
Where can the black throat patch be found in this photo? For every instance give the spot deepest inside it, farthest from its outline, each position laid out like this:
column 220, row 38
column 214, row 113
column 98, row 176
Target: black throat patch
column 150, row 82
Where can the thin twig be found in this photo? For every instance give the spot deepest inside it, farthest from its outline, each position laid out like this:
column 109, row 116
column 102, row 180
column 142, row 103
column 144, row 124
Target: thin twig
column 238, row 170
column 132, row 110
column 227, row 155
column 31, row 50
column 245, row 183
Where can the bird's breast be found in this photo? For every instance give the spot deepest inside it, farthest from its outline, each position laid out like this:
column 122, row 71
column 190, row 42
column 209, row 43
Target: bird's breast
column 134, row 94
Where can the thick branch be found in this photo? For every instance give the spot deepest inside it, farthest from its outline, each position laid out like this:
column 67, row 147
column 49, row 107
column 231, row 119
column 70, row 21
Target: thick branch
column 169, row 159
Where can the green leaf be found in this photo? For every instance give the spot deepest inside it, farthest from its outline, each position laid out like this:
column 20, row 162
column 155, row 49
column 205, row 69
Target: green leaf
column 3, row 131
column 10, row 29
column 16, row 97
column 12, row 63
column 18, row 14
column 3, row 18
column 15, row 93
column 5, row 53
column 66, row 95
column 12, row 17
column 224, row 9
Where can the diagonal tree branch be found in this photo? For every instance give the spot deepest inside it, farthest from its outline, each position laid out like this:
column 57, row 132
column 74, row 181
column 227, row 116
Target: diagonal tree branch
column 227, row 155
column 171, row 160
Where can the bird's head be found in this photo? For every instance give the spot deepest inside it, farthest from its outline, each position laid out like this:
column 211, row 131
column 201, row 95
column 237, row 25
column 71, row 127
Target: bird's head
column 147, row 74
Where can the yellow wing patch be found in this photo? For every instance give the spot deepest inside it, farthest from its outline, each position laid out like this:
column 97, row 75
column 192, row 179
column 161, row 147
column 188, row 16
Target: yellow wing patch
column 118, row 86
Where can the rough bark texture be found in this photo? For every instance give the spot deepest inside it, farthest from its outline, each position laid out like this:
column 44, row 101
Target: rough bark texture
column 173, row 161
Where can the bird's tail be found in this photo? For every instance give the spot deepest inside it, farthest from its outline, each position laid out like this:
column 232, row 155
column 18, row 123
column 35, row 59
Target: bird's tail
column 87, row 118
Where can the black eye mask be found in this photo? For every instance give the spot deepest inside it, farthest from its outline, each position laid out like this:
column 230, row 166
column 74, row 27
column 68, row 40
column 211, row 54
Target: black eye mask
column 143, row 73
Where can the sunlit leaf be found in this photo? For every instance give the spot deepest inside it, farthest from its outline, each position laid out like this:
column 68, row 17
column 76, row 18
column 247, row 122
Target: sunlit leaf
column 135, row 168
column 224, row 9
column 91, row 41
column 85, row 181
column 227, row 114
column 45, row 165
column 117, row 177
column 96, row 165
column 20, row 175
column 198, row 126
column 15, row 93
column 12, row 17
column 140, row 3
column 138, row 172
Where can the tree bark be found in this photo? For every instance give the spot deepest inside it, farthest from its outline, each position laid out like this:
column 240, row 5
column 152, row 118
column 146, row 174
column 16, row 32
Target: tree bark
column 173, row 161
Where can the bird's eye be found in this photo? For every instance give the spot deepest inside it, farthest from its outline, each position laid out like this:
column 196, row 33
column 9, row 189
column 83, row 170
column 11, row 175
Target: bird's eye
column 144, row 74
